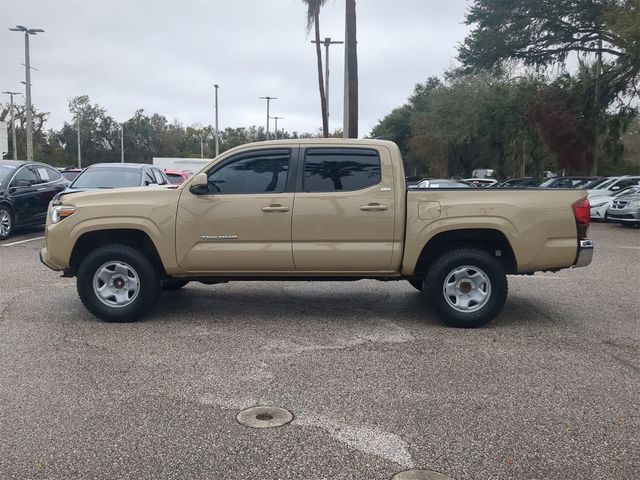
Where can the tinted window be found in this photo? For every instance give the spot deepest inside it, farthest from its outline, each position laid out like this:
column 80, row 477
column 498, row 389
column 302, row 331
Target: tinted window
column 108, row 178
column 25, row 174
column 259, row 172
column 5, row 172
column 340, row 169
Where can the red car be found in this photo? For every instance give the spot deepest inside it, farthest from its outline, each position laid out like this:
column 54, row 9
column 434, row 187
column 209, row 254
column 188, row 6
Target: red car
column 176, row 177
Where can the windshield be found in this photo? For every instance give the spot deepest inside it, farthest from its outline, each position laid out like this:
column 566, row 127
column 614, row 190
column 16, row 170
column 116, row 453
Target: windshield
column 5, row 172
column 627, row 191
column 605, row 184
column 108, row 178
column 174, row 178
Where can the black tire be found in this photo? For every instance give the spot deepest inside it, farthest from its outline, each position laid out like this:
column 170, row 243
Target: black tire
column 631, row 225
column 442, row 270
column 6, row 216
column 148, row 283
column 417, row 284
column 171, row 284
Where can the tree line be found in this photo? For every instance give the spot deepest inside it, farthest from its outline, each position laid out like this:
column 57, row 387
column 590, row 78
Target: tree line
column 145, row 136
column 540, row 85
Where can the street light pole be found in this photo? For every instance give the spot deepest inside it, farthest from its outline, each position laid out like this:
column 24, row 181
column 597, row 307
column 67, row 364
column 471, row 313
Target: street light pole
column 327, row 43
column 217, row 134
column 79, row 153
column 13, row 126
column 201, row 147
column 268, row 99
column 276, row 119
column 27, row 67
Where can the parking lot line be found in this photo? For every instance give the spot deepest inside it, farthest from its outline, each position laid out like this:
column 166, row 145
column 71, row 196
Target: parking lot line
column 22, row 241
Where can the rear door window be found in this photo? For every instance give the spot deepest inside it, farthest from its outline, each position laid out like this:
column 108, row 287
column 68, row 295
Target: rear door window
column 340, row 169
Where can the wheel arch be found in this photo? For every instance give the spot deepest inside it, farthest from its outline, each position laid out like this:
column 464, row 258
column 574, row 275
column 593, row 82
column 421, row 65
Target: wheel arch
column 131, row 237
column 491, row 241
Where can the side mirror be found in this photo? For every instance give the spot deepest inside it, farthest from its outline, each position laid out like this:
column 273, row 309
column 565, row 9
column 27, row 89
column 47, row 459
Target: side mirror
column 23, row 184
column 615, row 188
column 199, row 184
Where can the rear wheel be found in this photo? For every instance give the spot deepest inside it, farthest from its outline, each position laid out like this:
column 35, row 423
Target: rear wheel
column 467, row 287
column 117, row 283
column 6, row 222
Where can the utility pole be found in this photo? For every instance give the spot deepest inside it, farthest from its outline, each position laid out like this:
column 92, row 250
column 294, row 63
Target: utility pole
column 268, row 99
column 122, row 142
column 276, row 119
column 27, row 67
column 201, row 147
column 217, row 134
column 13, row 126
column 327, row 43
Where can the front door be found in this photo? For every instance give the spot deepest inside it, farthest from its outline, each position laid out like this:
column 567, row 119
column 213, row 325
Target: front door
column 243, row 223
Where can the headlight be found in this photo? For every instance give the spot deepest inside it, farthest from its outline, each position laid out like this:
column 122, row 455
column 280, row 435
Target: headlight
column 60, row 213
column 634, row 204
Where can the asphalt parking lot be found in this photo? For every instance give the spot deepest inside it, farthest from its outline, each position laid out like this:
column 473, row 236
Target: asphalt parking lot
column 550, row 389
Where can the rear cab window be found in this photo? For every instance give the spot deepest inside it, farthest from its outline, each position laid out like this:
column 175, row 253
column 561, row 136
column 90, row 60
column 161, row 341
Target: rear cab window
column 340, row 169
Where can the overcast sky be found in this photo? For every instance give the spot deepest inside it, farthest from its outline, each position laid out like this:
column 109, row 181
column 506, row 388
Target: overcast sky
column 164, row 56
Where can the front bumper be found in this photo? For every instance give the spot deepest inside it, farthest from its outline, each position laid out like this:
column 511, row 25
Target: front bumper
column 624, row 215
column 585, row 253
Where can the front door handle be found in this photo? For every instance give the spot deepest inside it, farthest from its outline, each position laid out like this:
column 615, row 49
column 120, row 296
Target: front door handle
column 275, row 208
column 373, row 207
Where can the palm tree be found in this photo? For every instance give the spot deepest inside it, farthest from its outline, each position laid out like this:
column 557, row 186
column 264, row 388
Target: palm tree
column 313, row 20
column 352, row 71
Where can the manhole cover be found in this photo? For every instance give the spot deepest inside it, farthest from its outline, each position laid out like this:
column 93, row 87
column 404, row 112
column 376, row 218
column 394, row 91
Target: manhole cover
column 420, row 475
column 264, row 416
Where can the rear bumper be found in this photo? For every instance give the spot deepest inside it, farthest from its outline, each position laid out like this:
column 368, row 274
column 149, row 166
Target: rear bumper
column 585, row 253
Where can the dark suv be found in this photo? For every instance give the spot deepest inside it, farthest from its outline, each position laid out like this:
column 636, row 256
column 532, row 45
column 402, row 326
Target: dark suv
column 26, row 188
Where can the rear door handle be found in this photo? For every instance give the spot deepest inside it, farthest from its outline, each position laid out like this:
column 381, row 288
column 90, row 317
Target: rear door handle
column 373, row 207
column 275, row 208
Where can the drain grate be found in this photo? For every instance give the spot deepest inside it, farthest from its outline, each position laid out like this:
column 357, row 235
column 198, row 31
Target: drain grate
column 420, row 475
column 264, row 416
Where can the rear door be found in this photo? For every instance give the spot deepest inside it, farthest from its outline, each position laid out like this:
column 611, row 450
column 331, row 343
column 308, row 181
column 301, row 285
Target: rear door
column 345, row 209
column 243, row 223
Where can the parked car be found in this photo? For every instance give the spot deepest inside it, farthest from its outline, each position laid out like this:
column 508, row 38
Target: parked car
column 614, row 184
column 176, row 177
column 70, row 173
column 625, row 209
column 567, row 182
column 118, row 175
column 480, row 182
column 412, row 181
column 600, row 204
column 441, row 183
column 520, row 183
column 26, row 188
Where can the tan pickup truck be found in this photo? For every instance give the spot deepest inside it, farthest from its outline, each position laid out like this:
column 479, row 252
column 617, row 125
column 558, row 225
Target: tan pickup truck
column 312, row 210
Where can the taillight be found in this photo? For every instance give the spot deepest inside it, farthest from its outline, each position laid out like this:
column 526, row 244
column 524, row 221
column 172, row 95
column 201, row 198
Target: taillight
column 582, row 214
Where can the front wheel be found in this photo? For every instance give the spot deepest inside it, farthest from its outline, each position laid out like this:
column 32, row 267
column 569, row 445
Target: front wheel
column 117, row 283
column 467, row 287
column 6, row 222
